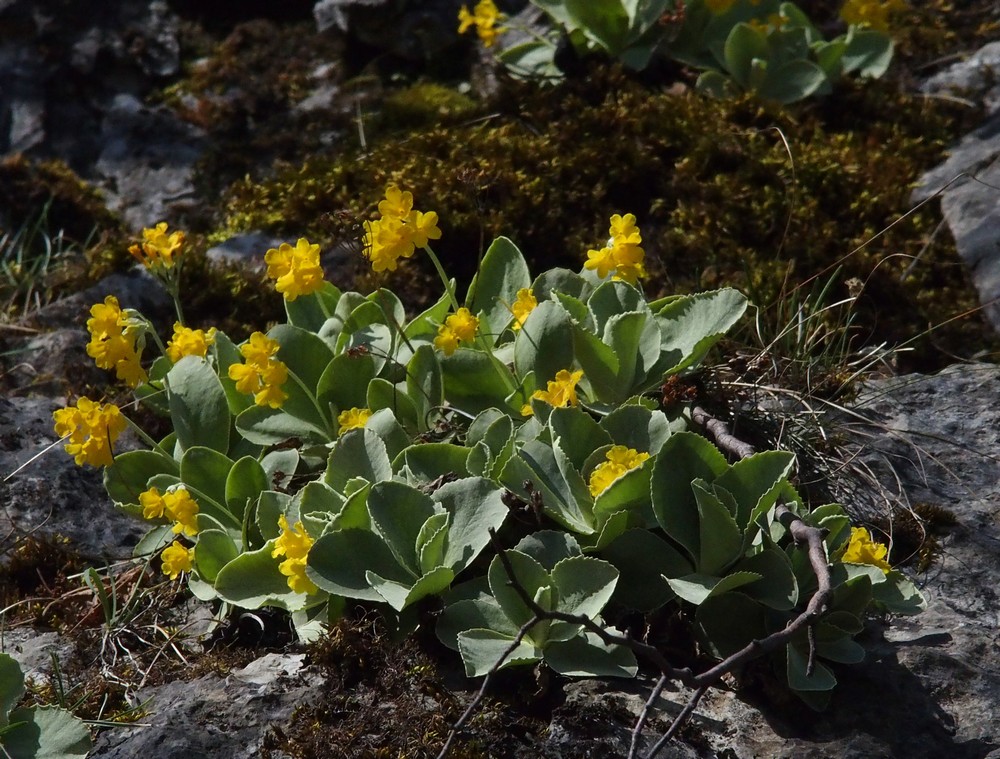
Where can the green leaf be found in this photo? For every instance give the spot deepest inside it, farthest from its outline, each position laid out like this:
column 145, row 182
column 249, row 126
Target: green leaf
column 482, row 649
column 536, row 462
column 743, row 44
column 383, row 395
column 792, row 81
column 544, row 344
column 720, row 538
column 697, row 588
column 476, row 506
column 426, row 323
column 613, row 298
column 530, row 575
column 603, row 21
column 868, row 52
column 399, row 595
column 46, row 732
column 206, row 471
column 310, row 312
column 599, row 363
column 474, row 381
column 585, row 585
column 358, row 453
column 560, row 280
column 691, row 325
column 821, row 679
column 267, row 426
column 638, row 428
column 644, row 561
column 730, row 621
column 636, row 342
column 899, row 595
column 684, row 457
column 755, row 482
column 399, row 512
column 431, row 541
column 344, row 382
column 307, row 356
column 502, row 272
column 279, row 465
column 339, row 562
column 128, row 476
column 11, row 685
column 577, row 434
column 777, row 588
column 199, row 410
column 244, row 484
column 213, row 551
column 588, row 656
column 424, row 384
column 468, row 614
column 549, row 547
column 252, row 580
column 428, row 461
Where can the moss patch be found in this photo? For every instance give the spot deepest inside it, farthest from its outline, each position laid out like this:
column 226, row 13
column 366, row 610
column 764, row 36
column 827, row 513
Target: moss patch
column 719, row 198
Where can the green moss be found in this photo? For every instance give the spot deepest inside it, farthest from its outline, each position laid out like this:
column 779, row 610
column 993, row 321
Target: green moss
column 718, row 196
column 426, row 104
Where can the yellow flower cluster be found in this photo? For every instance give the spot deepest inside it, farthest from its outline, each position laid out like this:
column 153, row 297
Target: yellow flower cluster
column 871, row 13
column 116, row 341
column 523, row 305
column 92, row 429
column 399, row 231
column 296, row 270
column 460, row 327
column 618, row 461
column 189, row 342
column 484, row 17
column 176, row 559
column 294, row 544
column 772, row 23
column 623, row 256
column 177, row 505
column 560, row 391
column 262, row 374
column 861, row 549
column 158, row 249
column 352, row 419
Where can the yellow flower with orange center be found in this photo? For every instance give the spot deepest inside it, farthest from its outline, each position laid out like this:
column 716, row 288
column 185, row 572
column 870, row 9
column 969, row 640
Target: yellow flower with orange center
column 158, row 249
column 352, row 419
column 523, row 304
column 559, row 392
column 861, row 549
column 399, row 231
column 116, row 341
column 189, row 342
column 619, row 460
column 91, row 429
column 293, row 544
column 176, row 559
column 262, row 374
column 622, row 256
column 459, row 327
column 297, row 270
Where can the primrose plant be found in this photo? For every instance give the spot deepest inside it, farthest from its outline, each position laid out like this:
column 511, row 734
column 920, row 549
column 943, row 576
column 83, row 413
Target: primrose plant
column 768, row 48
column 504, row 445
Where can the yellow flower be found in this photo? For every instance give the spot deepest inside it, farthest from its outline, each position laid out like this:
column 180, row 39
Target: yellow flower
column 177, row 505
column 189, row 342
column 176, row 559
column 352, row 419
column 158, row 248
column 397, row 204
column 560, row 391
column 871, row 13
column 116, row 341
column 153, row 504
column 294, row 544
column 92, row 429
column 618, row 460
column 399, row 232
column 296, row 270
column 262, row 374
column 484, row 17
column 523, row 305
column 861, row 549
column 183, row 509
column 460, row 327
column 622, row 255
